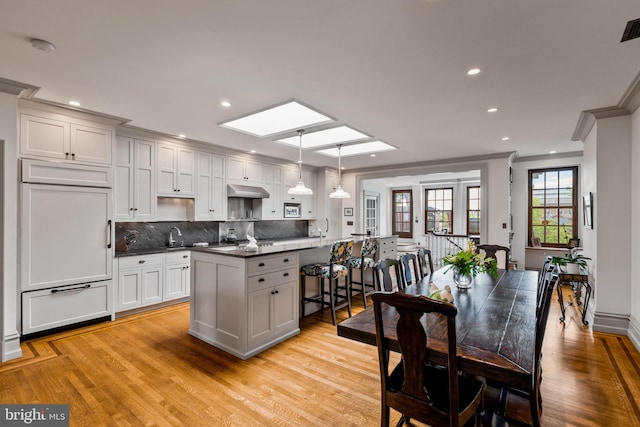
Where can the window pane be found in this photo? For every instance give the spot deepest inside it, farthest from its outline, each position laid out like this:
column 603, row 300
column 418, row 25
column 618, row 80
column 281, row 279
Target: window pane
column 551, row 235
column 537, row 197
column 537, row 180
column 537, row 216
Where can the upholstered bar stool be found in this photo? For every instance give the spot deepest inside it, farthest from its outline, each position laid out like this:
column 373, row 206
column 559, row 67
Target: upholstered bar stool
column 339, row 296
column 363, row 262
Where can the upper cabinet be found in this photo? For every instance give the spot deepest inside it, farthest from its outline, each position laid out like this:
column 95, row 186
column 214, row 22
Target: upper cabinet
column 272, row 208
column 53, row 136
column 211, row 192
column 135, row 190
column 176, row 170
column 244, row 171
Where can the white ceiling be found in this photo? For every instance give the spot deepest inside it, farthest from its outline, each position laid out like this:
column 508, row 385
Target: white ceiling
column 395, row 70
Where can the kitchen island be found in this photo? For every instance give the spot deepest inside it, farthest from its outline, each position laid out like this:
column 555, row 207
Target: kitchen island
column 244, row 302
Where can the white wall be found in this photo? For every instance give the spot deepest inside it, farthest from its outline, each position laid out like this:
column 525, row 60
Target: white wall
column 520, row 202
column 8, row 134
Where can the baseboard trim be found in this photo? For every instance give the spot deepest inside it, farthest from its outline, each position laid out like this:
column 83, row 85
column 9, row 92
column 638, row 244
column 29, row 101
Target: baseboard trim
column 634, row 332
column 611, row 323
column 11, row 348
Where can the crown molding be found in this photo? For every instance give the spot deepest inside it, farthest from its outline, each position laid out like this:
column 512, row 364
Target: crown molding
column 17, row 88
column 631, row 97
column 549, row 156
column 588, row 118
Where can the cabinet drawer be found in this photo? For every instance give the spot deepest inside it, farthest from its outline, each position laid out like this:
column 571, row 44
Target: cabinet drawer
column 256, row 266
column 140, row 261
column 275, row 278
column 51, row 308
column 179, row 257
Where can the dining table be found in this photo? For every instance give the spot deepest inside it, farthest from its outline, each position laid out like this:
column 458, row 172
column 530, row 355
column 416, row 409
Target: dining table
column 495, row 325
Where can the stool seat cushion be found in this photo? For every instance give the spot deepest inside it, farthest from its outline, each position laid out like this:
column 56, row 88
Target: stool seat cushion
column 322, row 270
column 356, row 262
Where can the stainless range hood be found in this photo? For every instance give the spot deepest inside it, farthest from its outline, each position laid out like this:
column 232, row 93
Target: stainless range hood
column 246, row 192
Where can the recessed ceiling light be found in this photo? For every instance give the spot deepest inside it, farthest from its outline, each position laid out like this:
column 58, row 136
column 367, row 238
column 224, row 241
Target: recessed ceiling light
column 182, row 135
column 373, row 155
column 356, row 149
column 74, row 103
column 505, row 138
column 492, row 110
column 288, row 116
column 552, row 152
column 252, row 151
column 225, row 104
column 473, row 71
column 43, row 45
column 332, row 136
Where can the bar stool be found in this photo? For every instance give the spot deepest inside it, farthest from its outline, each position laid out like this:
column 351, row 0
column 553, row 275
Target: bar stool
column 334, row 270
column 363, row 262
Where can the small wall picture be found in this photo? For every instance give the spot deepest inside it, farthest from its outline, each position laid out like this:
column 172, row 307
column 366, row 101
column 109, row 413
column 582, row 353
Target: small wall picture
column 535, row 242
column 348, row 211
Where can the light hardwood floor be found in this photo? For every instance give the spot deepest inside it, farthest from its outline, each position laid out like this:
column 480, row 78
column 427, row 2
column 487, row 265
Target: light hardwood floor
column 146, row 370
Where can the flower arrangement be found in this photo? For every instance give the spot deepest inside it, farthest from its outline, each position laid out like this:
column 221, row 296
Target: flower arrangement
column 470, row 262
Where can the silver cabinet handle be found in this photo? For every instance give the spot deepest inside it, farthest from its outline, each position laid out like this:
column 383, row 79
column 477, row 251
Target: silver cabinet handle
column 109, row 224
column 57, row 291
column 327, row 219
column 141, row 261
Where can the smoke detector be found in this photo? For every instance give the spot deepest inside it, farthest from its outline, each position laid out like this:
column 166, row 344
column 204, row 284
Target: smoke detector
column 43, row 45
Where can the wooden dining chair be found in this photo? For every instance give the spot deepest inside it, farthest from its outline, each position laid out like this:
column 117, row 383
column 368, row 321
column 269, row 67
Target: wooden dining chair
column 435, row 395
column 425, row 262
column 532, row 394
column 492, row 251
column 339, row 295
column 388, row 273
column 410, row 270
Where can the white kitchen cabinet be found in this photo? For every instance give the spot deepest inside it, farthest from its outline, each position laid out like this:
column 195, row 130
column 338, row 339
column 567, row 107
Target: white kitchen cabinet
column 145, row 280
column 176, row 168
column 308, row 210
column 388, row 248
column 66, row 235
column 328, row 211
column 244, row 305
column 272, row 207
column 135, row 190
column 140, row 280
column 211, row 187
column 176, row 283
column 244, row 171
column 53, row 136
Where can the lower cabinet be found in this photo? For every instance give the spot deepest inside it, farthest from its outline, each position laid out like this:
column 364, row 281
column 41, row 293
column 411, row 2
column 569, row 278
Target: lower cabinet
column 151, row 279
column 244, row 305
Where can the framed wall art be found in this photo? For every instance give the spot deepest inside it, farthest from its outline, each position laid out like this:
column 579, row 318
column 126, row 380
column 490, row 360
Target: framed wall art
column 587, row 209
column 348, row 211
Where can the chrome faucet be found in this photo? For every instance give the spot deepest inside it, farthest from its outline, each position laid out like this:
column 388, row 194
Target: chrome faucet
column 172, row 241
column 319, row 231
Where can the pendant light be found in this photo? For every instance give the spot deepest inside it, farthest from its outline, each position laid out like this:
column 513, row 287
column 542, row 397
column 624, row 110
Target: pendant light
column 339, row 193
column 300, row 189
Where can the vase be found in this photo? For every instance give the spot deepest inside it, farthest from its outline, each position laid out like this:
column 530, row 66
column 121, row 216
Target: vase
column 462, row 281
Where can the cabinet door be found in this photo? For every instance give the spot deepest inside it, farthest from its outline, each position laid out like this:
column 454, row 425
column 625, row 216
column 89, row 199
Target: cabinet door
column 186, row 173
column 129, row 289
column 204, row 186
column 65, row 235
column 167, row 169
column 219, row 189
column 276, row 194
column 253, row 171
column 175, row 281
column 151, row 286
column 144, row 189
column 235, row 169
column 285, row 307
column 260, row 315
column 309, row 202
column 43, row 137
column 91, row 144
column 124, row 179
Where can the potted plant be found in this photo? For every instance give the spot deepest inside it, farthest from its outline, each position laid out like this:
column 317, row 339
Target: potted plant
column 468, row 263
column 571, row 263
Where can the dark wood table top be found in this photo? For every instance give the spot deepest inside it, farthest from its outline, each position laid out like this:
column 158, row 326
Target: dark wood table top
column 495, row 325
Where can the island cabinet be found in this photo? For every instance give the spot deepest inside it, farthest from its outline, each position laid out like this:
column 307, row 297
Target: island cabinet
column 244, row 305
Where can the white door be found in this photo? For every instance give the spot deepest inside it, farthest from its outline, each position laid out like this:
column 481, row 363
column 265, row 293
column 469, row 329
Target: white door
column 66, row 235
column 371, row 213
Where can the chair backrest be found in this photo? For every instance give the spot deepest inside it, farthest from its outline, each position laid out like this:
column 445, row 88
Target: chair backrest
column 492, row 250
column 413, row 339
column 425, row 261
column 410, row 271
column 384, row 271
column 545, row 272
column 369, row 247
column 341, row 251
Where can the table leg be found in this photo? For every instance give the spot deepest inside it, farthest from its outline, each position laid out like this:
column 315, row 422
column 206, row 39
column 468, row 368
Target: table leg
column 561, row 300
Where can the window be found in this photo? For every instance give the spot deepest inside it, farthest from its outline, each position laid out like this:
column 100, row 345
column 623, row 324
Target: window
column 439, row 212
column 553, row 205
column 401, row 216
column 371, row 202
column 473, row 210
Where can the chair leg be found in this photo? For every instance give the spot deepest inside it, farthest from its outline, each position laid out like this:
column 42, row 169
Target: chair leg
column 332, row 302
column 364, row 288
column 302, row 290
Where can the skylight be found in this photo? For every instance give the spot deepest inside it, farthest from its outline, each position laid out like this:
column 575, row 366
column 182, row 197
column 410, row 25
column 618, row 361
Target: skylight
column 337, row 135
column 357, row 149
column 289, row 116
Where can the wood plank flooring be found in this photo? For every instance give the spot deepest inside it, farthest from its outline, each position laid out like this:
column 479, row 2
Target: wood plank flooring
column 146, row 370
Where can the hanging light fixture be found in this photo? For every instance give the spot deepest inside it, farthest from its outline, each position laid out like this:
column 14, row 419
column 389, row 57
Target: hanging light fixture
column 300, row 189
column 339, row 193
